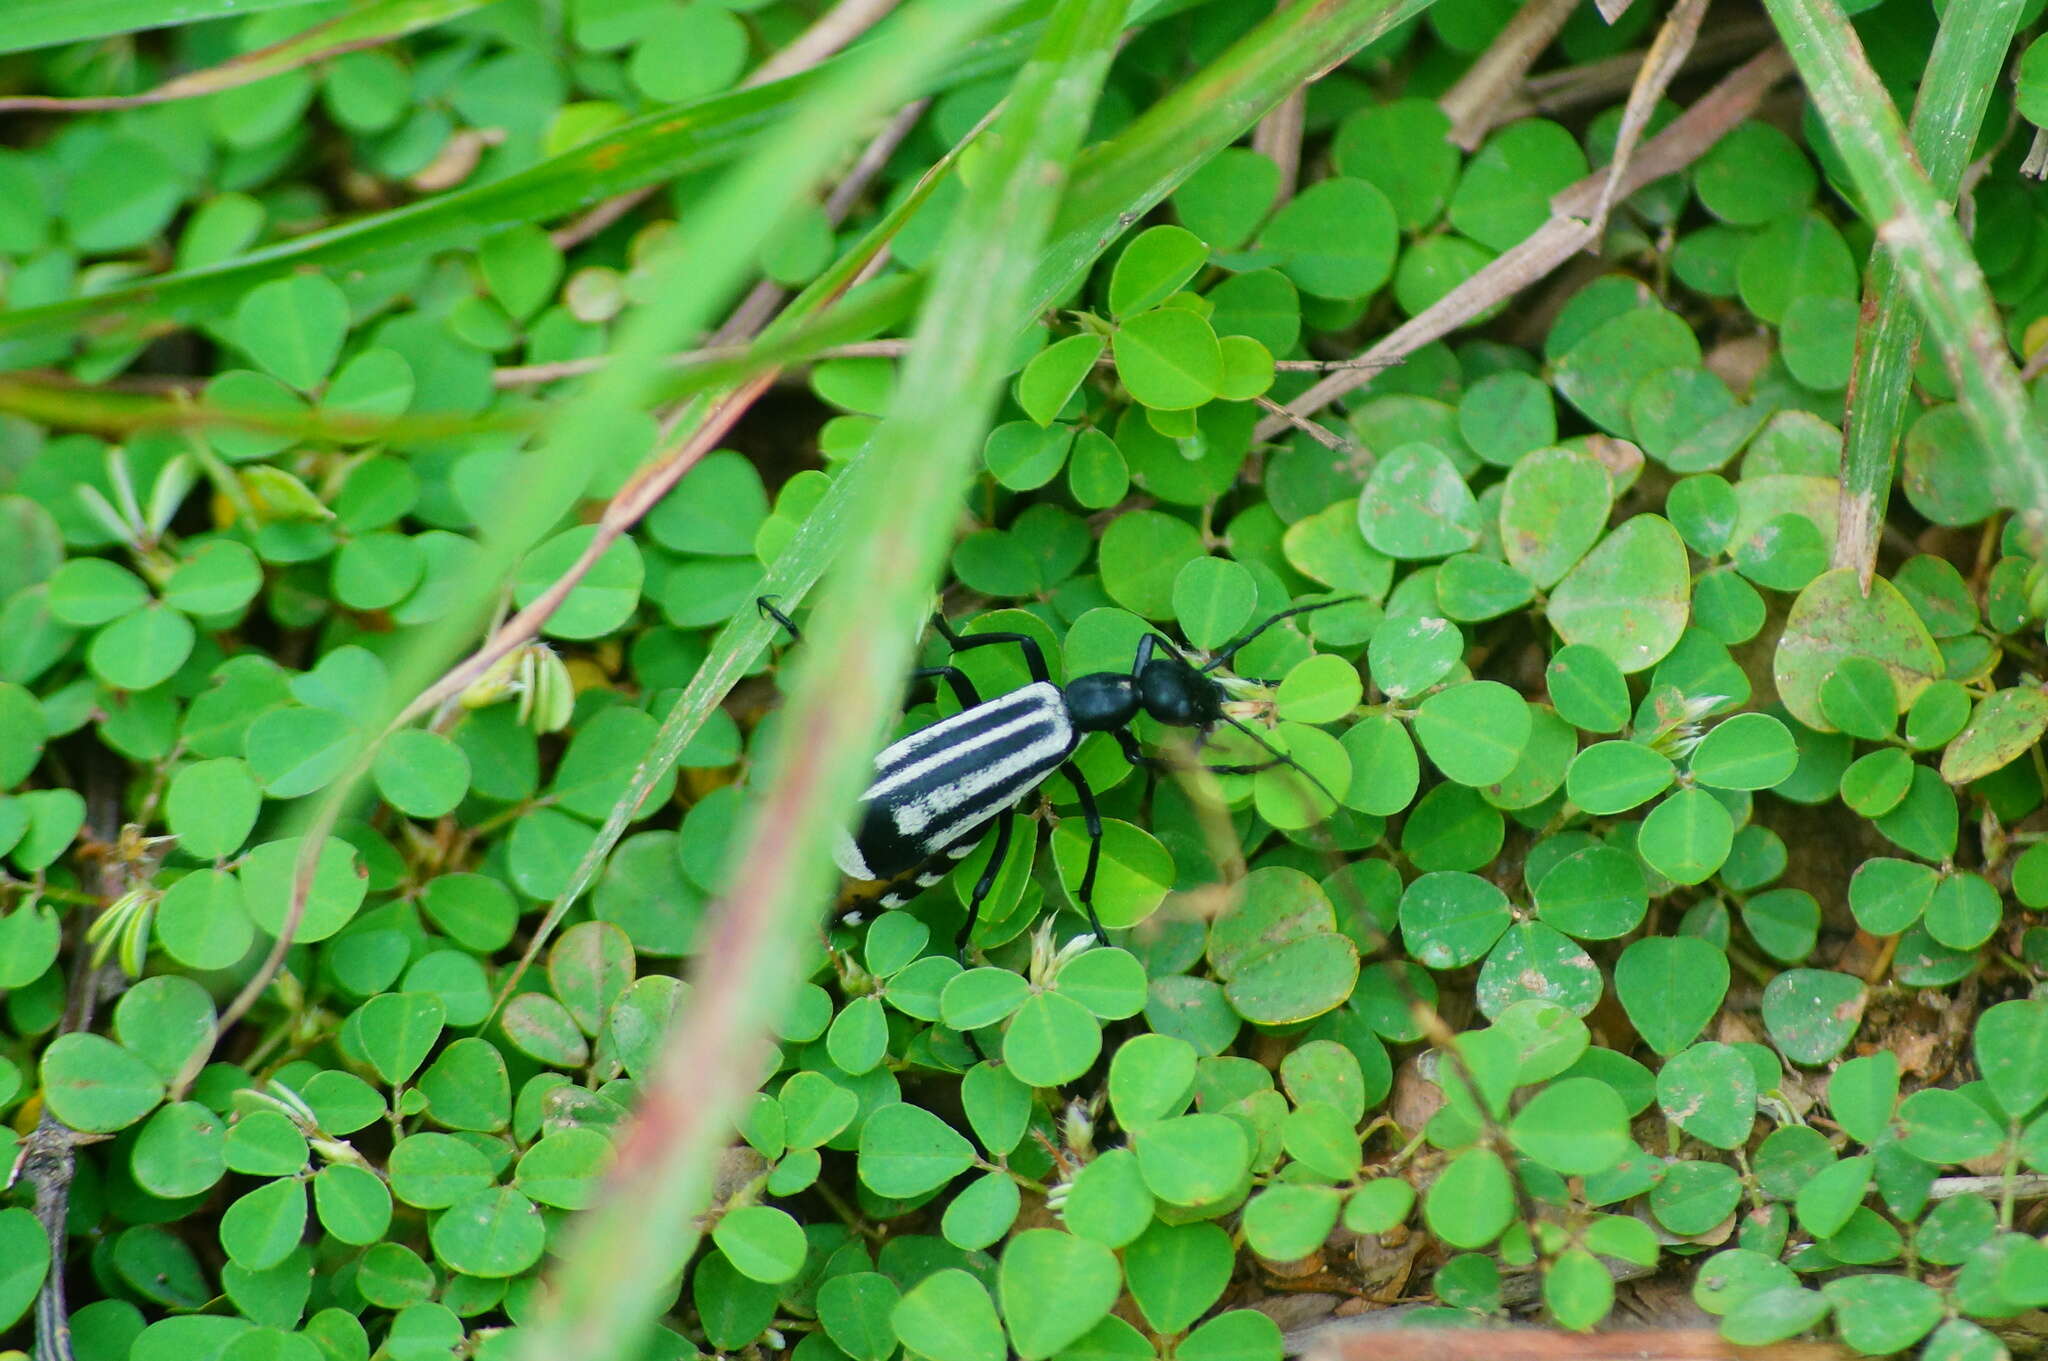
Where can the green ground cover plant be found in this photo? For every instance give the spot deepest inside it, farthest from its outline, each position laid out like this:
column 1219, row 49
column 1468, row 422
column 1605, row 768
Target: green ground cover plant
column 418, row 935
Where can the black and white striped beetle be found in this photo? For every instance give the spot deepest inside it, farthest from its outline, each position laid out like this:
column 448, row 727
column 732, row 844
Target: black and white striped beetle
column 936, row 792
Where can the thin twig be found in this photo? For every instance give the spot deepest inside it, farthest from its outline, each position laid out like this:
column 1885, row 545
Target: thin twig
column 1535, row 257
column 1597, row 82
column 2022, row 1186
column 567, row 238
column 1975, row 171
column 1472, row 104
column 1329, row 439
column 1333, row 365
column 872, row 158
column 762, row 302
column 1278, row 136
column 242, row 70
column 1668, row 53
column 288, row 929
column 840, row 25
column 48, row 1156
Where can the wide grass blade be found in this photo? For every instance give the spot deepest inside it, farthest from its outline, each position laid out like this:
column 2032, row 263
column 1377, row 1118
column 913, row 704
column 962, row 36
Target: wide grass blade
column 1934, row 260
column 68, row 405
column 705, row 260
column 662, row 145
column 630, row 1245
column 63, row 403
column 1968, row 52
column 45, row 23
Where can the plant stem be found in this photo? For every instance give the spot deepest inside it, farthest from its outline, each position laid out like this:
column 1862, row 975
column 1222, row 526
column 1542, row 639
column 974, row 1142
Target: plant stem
column 1968, row 52
column 1921, row 235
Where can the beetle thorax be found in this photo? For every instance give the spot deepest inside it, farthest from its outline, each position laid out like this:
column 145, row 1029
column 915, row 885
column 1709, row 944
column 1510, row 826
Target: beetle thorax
column 1174, row 693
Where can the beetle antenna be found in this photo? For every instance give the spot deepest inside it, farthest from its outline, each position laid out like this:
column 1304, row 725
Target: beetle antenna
column 1280, row 758
column 1230, row 649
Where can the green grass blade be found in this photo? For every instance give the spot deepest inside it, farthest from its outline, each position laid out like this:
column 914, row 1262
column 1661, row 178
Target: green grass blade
column 1126, row 176
column 68, row 405
column 73, row 406
column 1964, row 66
column 45, row 23
column 1934, row 260
column 628, row 1247
column 657, row 146
column 358, row 28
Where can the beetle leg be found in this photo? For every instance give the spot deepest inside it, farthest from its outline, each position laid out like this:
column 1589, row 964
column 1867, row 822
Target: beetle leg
column 983, row 885
column 1034, row 659
column 1093, row 817
column 1136, row 754
column 963, row 688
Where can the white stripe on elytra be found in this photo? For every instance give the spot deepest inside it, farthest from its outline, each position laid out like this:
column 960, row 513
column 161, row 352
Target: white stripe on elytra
column 914, row 745
column 846, row 854
column 994, row 737
column 1046, row 706
column 1039, row 700
column 915, row 818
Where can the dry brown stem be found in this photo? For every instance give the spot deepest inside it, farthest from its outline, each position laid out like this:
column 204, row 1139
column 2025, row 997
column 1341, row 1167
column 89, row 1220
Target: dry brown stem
column 1568, row 231
column 839, row 26
column 1473, row 104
